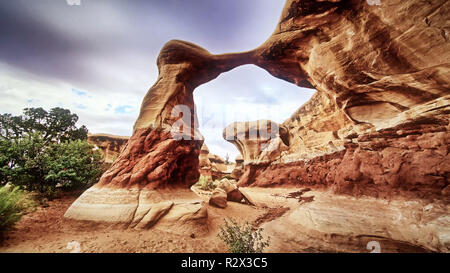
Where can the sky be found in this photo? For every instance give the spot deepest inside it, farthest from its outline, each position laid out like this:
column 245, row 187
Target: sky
column 98, row 59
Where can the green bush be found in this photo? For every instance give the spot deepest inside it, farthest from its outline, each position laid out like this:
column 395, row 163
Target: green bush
column 13, row 203
column 73, row 164
column 205, row 183
column 242, row 239
column 45, row 152
column 36, row 166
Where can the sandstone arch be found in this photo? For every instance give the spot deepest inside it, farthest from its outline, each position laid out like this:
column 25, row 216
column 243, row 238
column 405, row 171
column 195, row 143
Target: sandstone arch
column 376, row 82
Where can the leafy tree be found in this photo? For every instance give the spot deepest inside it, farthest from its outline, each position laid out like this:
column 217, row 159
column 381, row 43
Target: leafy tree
column 36, row 166
column 44, row 151
column 22, row 161
column 57, row 125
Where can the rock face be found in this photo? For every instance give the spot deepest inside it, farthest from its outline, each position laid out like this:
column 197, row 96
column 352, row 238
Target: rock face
column 109, row 145
column 177, row 211
column 233, row 193
column 333, row 222
column 380, row 91
column 378, row 124
column 411, row 161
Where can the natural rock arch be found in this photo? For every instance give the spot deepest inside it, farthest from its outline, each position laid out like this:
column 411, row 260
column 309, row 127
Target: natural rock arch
column 354, row 54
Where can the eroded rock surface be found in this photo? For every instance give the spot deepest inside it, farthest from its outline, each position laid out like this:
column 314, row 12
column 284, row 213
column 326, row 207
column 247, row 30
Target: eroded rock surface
column 378, row 124
column 238, row 170
column 342, row 223
column 178, row 211
column 163, row 152
column 218, row 198
column 381, row 85
column 260, row 141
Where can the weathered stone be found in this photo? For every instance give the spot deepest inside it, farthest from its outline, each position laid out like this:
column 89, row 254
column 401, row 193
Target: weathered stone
column 258, row 141
column 378, row 71
column 218, row 198
column 239, row 168
column 247, row 198
column 233, row 193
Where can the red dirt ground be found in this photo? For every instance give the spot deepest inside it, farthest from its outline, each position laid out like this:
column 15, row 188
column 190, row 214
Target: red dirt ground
column 45, row 230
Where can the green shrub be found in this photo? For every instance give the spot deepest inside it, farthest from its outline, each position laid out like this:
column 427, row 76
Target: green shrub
column 34, row 165
column 46, row 152
column 13, row 203
column 205, row 183
column 73, row 164
column 242, row 239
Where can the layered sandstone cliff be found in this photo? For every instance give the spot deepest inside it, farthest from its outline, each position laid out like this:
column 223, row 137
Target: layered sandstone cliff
column 382, row 75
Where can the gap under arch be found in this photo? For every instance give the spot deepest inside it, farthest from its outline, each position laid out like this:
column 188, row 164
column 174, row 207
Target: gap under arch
column 246, row 93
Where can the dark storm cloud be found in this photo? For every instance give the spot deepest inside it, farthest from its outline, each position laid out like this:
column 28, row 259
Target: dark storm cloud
column 31, row 45
column 52, row 39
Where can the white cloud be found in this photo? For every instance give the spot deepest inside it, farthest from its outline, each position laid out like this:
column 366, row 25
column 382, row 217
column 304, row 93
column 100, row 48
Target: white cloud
column 247, row 93
column 95, row 110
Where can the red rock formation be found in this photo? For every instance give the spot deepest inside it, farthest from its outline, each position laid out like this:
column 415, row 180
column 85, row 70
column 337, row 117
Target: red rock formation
column 380, row 85
column 404, row 161
column 258, row 141
column 378, row 124
column 239, row 168
column 162, row 154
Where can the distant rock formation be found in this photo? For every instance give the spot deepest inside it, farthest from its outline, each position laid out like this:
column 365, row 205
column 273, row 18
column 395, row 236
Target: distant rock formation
column 213, row 165
column 239, row 168
column 109, row 145
column 260, row 141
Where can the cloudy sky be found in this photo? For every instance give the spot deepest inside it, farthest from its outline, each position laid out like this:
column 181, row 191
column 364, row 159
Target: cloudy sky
column 99, row 59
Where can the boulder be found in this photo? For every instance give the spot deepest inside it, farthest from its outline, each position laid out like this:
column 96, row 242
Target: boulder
column 247, row 198
column 233, row 193
column 218, row 198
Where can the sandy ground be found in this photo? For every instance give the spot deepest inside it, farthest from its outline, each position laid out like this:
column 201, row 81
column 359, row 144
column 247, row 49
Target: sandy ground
column 45, row 230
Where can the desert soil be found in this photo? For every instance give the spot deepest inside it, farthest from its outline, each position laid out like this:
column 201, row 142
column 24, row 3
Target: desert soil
column 46, row 230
